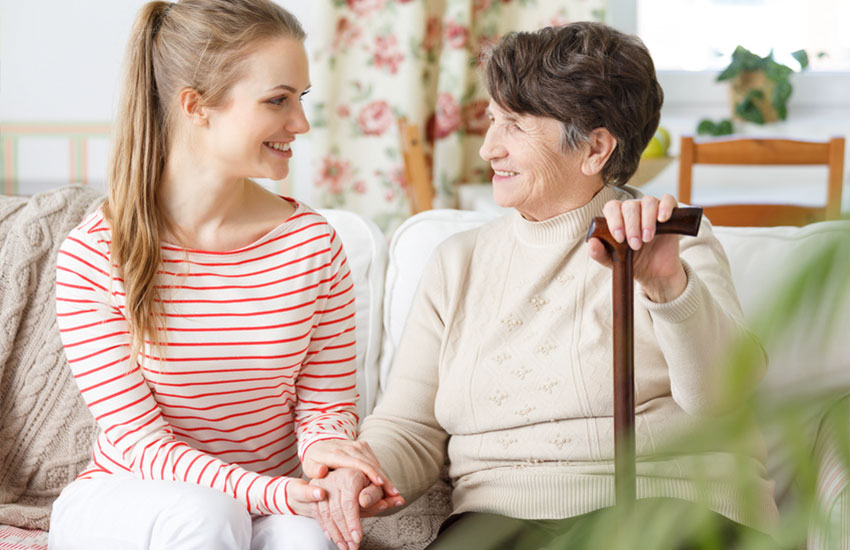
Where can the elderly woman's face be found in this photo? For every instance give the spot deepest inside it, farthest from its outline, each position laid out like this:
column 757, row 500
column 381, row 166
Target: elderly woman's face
column 532, row 172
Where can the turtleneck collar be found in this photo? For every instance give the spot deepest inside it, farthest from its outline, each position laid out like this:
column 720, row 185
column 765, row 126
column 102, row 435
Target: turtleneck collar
column 564, row 227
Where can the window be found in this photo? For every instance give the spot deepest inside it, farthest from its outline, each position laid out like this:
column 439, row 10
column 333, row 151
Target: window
column 691, row 40
column 698, row 35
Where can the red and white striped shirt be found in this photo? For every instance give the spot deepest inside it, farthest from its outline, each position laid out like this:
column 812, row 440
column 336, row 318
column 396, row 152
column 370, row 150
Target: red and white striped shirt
column 259, row 361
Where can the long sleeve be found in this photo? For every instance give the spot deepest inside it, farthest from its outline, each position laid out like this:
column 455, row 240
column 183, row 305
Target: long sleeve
column 403, row 430
column 326, row 386
column 699, row 330
column 217, row 404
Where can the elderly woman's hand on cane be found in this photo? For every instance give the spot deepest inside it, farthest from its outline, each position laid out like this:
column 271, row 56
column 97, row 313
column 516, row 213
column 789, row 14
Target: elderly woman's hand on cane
column 657, row 266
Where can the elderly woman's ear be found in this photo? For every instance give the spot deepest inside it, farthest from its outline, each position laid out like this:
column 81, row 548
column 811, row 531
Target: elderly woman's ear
column 598, row 148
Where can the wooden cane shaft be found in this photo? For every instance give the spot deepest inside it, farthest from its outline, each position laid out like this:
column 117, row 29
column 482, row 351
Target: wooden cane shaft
column 624, row 377
column 684, row 221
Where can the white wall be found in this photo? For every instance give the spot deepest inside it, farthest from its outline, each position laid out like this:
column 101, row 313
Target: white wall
column 60, row 64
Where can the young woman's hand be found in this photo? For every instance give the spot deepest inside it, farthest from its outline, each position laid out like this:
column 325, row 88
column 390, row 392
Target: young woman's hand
column 332, row 454
column 350, row 496
column 657, row 266
column 300, row 497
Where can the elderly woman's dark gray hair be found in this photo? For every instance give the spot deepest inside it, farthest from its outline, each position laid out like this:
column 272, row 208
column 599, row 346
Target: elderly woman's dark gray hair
column 586, row 75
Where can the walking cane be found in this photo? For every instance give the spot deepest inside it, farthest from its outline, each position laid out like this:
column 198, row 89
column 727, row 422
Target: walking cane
column 684, row 221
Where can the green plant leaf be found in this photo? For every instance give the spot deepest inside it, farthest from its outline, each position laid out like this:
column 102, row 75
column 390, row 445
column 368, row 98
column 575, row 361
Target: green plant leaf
column 747, row 108
column 706, row 127
column 742, row 60
column 802, row 58
column 777, row 72
column 781, row 93
column 730, row 72
column 725, row 128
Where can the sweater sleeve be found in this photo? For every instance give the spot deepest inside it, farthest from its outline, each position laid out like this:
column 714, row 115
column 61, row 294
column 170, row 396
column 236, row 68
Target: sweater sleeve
column 327, row 386
column 700, row 330
column 95, row 334
column 403, row 431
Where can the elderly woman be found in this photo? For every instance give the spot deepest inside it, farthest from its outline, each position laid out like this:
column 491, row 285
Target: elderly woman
column 504, row 368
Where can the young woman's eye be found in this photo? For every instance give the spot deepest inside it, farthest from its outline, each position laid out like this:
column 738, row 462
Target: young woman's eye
column 278, row 100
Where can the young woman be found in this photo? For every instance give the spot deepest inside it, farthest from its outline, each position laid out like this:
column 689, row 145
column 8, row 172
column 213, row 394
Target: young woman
column 209, row 323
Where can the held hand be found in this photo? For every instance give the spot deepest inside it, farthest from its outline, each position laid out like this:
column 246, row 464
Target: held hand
column 657, row 266
column 331, row 454
column 348, row 491
column 300, row 496
column 374, row 501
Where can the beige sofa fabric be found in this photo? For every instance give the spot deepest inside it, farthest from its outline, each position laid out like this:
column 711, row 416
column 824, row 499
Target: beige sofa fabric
column 46, row 431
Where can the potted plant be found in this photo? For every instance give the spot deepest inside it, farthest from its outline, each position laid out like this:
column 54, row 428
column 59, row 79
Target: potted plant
column 761, row 86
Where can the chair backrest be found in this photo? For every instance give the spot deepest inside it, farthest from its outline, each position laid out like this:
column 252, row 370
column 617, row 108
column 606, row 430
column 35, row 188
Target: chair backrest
column 420, row 191
column 762, row 151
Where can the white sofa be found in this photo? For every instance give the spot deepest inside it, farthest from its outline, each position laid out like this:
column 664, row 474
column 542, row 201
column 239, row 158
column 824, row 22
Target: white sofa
column 385, row 278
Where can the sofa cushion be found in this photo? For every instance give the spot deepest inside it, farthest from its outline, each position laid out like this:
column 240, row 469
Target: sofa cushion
column 805, row 340
column 410, row 249
column 366, row 249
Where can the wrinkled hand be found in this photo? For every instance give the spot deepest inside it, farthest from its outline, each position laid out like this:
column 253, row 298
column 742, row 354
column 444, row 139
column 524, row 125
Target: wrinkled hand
column 657, row 266
column 332, row 454
column 350, row 496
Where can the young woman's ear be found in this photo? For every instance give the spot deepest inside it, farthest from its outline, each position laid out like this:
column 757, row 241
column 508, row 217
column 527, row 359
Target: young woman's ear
column 191, row 106
column 600, row 146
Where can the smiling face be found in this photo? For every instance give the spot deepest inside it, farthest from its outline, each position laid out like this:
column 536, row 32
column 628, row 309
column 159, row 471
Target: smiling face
column 251, row 133
column 532, row 171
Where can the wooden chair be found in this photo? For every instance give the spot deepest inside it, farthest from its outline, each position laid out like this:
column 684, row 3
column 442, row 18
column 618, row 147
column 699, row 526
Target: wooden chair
column 752, row 151
column 420, row 191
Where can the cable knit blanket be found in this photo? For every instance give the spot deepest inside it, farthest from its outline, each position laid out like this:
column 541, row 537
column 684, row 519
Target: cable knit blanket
column 46, row 431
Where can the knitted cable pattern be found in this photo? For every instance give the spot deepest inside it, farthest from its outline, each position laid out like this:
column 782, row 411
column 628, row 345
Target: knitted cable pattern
column 46, row 431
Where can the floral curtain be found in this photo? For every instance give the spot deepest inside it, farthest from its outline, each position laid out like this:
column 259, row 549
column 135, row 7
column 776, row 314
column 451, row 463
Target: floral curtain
column 374, row 61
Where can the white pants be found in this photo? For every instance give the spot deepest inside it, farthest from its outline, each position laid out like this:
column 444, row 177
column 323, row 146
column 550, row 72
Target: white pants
column 125, row 513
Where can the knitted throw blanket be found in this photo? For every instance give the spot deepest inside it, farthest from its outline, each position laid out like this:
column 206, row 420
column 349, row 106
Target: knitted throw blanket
column 46, row 431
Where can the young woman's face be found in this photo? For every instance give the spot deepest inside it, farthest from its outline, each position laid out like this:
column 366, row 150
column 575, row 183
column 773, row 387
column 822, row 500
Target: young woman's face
column 251, row 133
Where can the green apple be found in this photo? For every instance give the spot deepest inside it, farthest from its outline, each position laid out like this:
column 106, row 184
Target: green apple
column 658, row 145
column 664, row 136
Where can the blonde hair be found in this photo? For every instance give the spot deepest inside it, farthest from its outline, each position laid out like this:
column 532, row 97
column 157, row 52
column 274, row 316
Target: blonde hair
column 197, row 44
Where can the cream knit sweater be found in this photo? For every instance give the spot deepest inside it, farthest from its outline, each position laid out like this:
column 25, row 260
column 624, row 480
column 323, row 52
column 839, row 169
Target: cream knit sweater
column 505, row 368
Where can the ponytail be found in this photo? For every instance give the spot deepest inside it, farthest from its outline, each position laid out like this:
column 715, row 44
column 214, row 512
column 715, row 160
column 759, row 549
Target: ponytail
column 138, row 159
